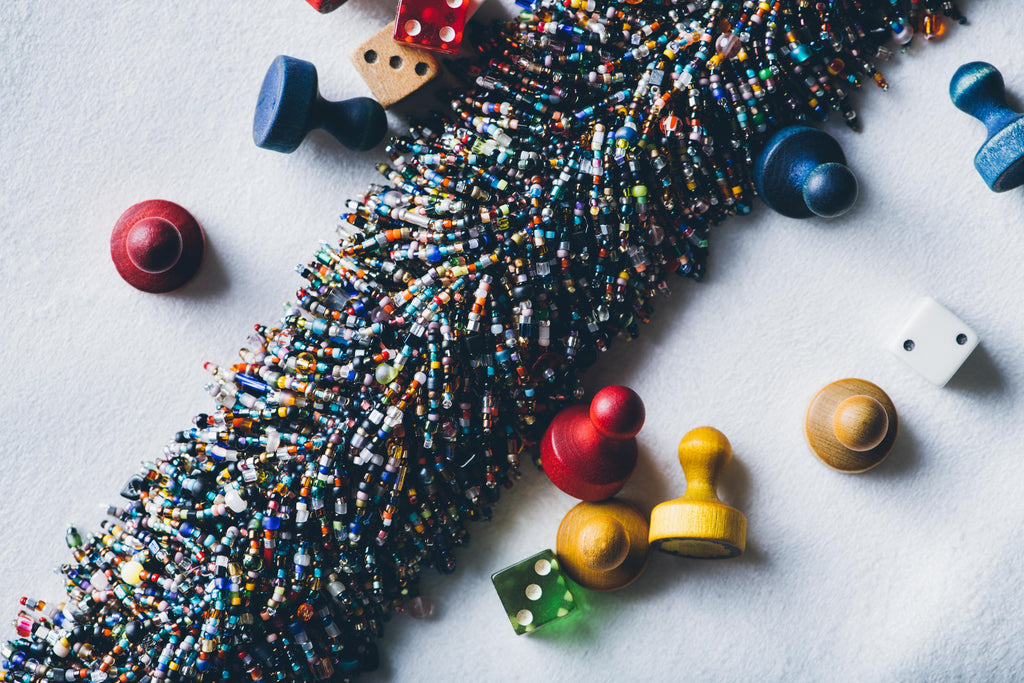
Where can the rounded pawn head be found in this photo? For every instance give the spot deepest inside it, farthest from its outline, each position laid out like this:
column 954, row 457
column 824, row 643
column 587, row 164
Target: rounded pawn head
column 976, row 86
column 703, row 452
column 860, row 423
column 603, row 543
column 617, row 412
column 830, row 190
column 153, row 244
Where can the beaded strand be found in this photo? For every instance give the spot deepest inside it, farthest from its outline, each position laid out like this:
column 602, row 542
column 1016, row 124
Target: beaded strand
column 594, row 146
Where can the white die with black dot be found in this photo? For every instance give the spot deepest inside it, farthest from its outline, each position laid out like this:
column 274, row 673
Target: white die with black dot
column 934, row 341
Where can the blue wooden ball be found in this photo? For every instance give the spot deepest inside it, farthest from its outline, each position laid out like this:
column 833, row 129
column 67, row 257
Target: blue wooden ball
column 290, row 105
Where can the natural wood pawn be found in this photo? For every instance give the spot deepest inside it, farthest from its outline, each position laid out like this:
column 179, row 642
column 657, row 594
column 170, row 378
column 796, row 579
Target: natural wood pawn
column 851, row 425
column 699, row 524
column 603, row 546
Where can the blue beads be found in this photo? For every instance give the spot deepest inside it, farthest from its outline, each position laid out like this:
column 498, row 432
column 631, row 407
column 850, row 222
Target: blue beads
column 800, row 54
column 628, row 135
column 433, row 253
column 251, row 383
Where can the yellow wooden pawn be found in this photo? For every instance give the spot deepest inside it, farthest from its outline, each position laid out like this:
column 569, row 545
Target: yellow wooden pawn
column 699, row 524
column 603, row 546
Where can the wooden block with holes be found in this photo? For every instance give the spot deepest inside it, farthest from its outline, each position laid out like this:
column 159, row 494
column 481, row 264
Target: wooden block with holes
column 391, row 69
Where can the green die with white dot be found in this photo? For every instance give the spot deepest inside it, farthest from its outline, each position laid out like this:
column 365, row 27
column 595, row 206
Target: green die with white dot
column 534, row 592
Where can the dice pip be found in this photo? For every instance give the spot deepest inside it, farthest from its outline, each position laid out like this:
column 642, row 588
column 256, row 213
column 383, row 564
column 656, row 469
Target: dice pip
column 432, row 24
column 534, row 592
column 934, row 342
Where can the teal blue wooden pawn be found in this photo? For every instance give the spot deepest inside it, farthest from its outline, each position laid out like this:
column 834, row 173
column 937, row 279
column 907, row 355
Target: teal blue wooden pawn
column 802, row 172
column 978, row 89
column 290, row 105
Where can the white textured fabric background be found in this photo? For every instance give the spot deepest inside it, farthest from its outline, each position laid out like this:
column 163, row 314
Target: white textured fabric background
column 909, row 572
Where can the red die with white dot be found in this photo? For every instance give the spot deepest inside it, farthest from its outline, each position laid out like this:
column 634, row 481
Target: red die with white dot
column 432, row 24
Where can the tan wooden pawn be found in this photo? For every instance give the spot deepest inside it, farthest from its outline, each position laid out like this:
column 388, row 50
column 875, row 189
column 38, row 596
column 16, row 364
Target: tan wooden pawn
column 603, row 546
column 851, row 425
column 699, row 524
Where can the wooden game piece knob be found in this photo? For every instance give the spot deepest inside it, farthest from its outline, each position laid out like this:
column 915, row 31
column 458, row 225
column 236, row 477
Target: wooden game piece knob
column 802, row 172
column 699, row 524
column 603, row 543
column 617, row 412
column 603, row 546
column 851, row 425
column 157, row 246
column 153, row 244
column 977, row 88
column 290, row 105
column 860, row 423
column 590, row 452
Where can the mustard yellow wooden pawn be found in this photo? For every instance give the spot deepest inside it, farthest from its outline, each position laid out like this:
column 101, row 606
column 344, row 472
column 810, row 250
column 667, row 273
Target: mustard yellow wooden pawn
column 699, row 524
column 603, row 546
column 851, row 425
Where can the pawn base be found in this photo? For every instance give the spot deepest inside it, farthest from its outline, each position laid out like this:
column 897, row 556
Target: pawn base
column 285, row 104
column 1000, row 161
column 581, row 461
column 700, row 529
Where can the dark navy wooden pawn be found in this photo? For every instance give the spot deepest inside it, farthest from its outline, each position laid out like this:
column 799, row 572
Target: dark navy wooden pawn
column 978, row 89
column 802, row 172
column 290, row 106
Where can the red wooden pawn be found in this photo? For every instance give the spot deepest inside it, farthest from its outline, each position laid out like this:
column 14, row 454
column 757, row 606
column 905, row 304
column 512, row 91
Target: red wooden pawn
column 157, row 246
column 590, row 453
